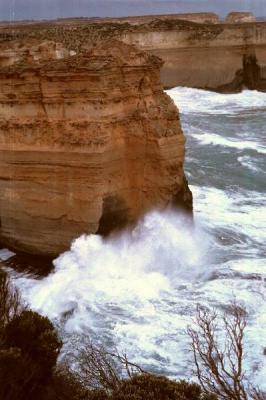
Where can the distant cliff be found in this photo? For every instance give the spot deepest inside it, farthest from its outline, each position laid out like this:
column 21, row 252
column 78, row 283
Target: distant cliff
column 226, row 57
column 88, row 142
column 220, row 57
column 240, row 17
column 200, row 17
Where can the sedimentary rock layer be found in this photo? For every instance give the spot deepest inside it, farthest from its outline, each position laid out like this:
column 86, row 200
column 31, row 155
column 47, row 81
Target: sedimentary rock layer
column 221, row 57
column 88, row 142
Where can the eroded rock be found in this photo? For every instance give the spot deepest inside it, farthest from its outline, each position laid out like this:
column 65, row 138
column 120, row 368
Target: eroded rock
column 88, row 142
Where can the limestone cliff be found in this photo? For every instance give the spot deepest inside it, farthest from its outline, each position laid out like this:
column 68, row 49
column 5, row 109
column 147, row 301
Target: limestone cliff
column 207, row 56
column 225, row 57
column 88, row 142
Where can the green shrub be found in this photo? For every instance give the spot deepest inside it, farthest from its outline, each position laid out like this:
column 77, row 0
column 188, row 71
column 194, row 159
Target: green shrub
column 29, row 351
column 98, row 395
column 36, row 337
column 14, row 371
column 153, row 387
column 65, row 386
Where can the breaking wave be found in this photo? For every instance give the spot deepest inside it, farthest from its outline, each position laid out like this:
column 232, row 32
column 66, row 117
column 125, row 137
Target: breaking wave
column 130, row 270
column 203, row 102
column 217, row 140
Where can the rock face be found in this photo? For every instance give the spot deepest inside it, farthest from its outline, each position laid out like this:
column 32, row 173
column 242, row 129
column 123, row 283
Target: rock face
column 214, row 57
column 240, row 17
column 88, row 142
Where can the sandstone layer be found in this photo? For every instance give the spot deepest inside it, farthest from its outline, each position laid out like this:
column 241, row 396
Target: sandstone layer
column 88, row 142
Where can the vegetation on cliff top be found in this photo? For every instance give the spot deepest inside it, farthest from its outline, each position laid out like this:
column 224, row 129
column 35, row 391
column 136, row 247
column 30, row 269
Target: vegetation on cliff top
column 73, row 37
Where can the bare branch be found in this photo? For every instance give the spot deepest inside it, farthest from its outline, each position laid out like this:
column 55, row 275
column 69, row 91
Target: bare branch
column 98, row 368
column 220, row 368
column 256, row 394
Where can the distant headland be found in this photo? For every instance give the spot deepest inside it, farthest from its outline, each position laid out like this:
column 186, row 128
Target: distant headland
column 198, row 49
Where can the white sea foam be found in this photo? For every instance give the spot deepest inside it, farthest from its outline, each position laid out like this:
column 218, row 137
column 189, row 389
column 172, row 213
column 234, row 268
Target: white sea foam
column 248, row 162
column 128, row 287
column 242, row 212
column 249, row 266
column 200, row 101
column 137, row 266
column 5, row 254
column 195, row 101
column 218, row 140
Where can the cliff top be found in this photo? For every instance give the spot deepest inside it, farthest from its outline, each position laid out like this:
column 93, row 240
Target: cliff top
column 49, row 55
column 77, row 33
column 107, row 54
column 200, row 17
column 133, row 20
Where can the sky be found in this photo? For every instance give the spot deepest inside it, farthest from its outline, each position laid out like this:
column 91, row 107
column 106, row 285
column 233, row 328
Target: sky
column 51, row 9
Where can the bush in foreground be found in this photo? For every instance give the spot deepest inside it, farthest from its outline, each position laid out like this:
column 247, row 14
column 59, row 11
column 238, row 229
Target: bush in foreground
column 29, row 347
column 27, row 357
column 36, row 337
column 153, row 387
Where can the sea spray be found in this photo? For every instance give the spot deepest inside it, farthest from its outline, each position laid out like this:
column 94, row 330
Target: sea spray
column 133, row 268
column 124, row 289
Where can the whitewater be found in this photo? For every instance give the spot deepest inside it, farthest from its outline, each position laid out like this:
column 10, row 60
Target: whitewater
column 138, row 291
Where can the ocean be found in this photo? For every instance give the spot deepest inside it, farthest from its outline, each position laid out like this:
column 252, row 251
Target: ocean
column 138, row 291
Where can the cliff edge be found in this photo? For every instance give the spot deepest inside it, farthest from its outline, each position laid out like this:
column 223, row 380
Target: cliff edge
column 88, row 142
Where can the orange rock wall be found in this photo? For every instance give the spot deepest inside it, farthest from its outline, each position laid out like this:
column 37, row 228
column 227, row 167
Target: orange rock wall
column 87, row 143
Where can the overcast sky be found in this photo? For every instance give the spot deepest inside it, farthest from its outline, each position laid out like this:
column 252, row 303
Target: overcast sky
column 50, row 9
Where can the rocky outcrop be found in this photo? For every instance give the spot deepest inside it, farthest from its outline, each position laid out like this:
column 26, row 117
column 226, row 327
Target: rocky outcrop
column 240, row 17
column 88, row 142
column 32, row 52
